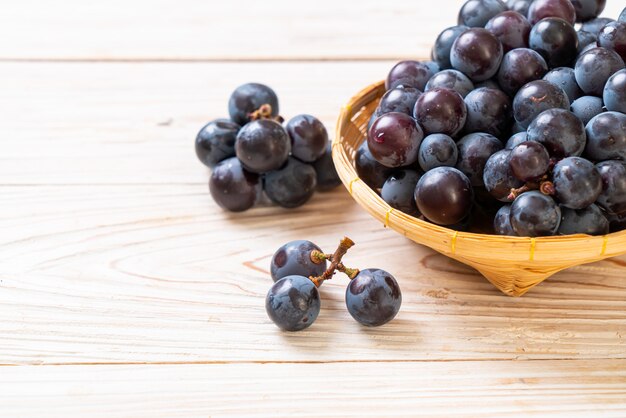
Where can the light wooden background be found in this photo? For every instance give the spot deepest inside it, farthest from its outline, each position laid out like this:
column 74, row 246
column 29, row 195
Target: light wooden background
column 125, row 292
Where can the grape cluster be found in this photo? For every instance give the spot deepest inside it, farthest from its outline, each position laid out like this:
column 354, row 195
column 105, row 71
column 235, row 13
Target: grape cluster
column 516, row 127
column 253, row 153
column 298, row 268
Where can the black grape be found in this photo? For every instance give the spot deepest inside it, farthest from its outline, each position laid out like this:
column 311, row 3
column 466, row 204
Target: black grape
column 262, row 146
column 444, row 195
column 399, row 191
column 556, row 40
column 502, row 222
column 476, row 13
column 590, row 221
column 622, row 16
column 488, row 110
column 613, row 195
column 516, row 139
column 520, row 66
column 615, row 92
column 534, row 214
column 293, row 303
column 594, row 67
column 443, row 45
column 587, row 107
column 327, row 177
column 577, row 182
column 440, row 111
column 585, row 39
column 520, row 6
column 541, row 9
column 437, row 150
column 394, row 139
column 309, row 137
column 613, row 37
column 232, row 187
column 588, row 9
column 292, row 185
column 250, row 97
column 294, row 258
column 400, row 99
column 560, row 131
column 511, row 29
column 477, row 54
column 216, row 141
column 373, row 173
column 373, row 297
column 474, row 151
column 595, row 25
column 565, row 78
column 529, row 161
column 451, row 79
column 606, row 137
column 408, row 74
column 536, row 97
column 498, row 177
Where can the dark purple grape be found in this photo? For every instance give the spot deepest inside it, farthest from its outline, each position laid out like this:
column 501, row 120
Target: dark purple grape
column 616, row 223
column 444, row 195
column 474, row 151
column 585, row 39
column 613, row 195
column 432, row 66
column 587, row 48
column 408, row 74
column 498, row 177
column 400, row 99
column 440, row 111
column 606, row 137
column 293, row 303
column 587, row 107
column 560, row 131
column 394, row 139
column 327, row 177
column 373, row 297
column 556, row 40
column 565, row 78
column 588, row 9
column 541, row 9
column 292, row 185
column 262, row 146
column 529, row 161
column 502, row 222
column 477, row 54
column 399, row 191
column 519, row 67
column 488, row 110
column 443, row 45
column 577, row 182
column 232, row 187
column 216, row 141
column 517, row 128
column 595, row 25
column 492, row 83
column 622, row 16
column 590, row 221
column 594, row 67
column 534, row 214
column 511, row 29
column 437, row 150
column 476, row 13
column 453, row 80
column 250, row 97
column 520, row 6
column 615, row 92
column 516, row 139
column 373, row 173
column 536, row 97
column 309, row 137
column 613, row 37
column 294, row 258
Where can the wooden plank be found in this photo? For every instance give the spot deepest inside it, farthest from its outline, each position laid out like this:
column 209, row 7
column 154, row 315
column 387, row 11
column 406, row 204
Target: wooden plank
column 159, row 274
column 450, row 389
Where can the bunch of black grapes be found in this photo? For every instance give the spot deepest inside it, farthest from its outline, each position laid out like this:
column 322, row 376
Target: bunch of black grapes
column 253, row 152
column 516, row 127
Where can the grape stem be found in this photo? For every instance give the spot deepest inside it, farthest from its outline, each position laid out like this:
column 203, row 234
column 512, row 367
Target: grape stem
column 265, row 112
column 335, row 262
column 544, row 186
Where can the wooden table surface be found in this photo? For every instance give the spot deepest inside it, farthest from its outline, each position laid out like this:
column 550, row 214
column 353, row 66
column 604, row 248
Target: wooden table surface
column 125, row 291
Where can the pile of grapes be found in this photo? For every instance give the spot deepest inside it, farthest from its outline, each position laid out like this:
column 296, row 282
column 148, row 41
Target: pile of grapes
column 516, row 127
column 298, row 268
column 252, row 152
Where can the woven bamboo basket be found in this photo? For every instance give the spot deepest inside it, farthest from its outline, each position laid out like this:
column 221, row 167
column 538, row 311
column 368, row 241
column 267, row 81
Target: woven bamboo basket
column 513, row 264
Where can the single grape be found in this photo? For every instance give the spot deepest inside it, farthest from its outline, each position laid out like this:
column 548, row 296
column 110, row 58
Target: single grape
column 432, row 66
column 373, row 173
column 440, row 111
column 293, row 303
column 595, row 25
column 477, row 54
column 615, row 92
column 474, row 151
column 560, row 131
column 594, row 67
column 488, row 110
column 541, row 9
column 511, row 29
column 476, row 13
column 262, row 146
column 373, row 297
column 502, row 222
column 394, row 139
column 587, row 107
column 216, row 141
column 498, row 177
column 520, row 6
column 408, row 74
column 536, row 97
column 529, row 161
column 309, row 137
column 613, row 195
column 534, row 214
column 443, row 45
column 451, row 79
column 250, row 97
column 565, row 78
column 292, row 185
column 590, row 221
column 400, row 99
column 556, row 40
column 588, row 9
column 294, row 258
column 399, row 189
column 516, row 139
column 585, row 39
column 577, row 182
column 606, row 137
column 232, row 187
column 519, row 67
column 613, row 37
column 327, row 177
column 437, row 150
column 444, row 195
